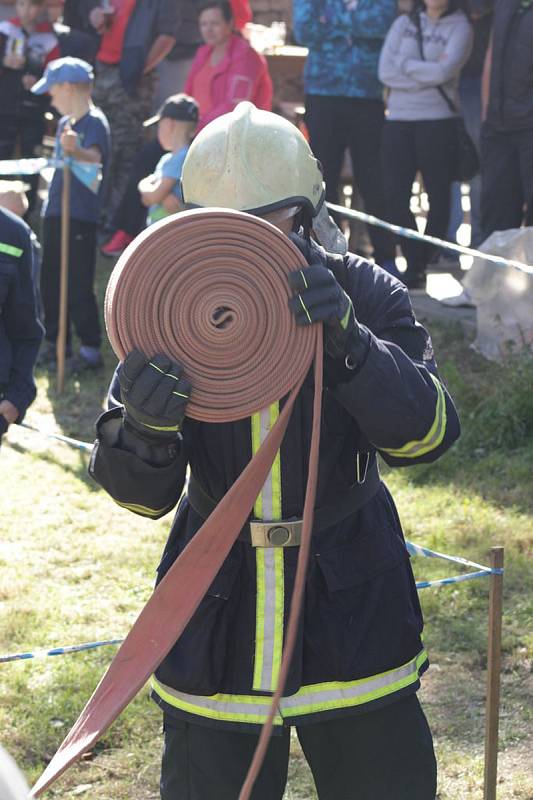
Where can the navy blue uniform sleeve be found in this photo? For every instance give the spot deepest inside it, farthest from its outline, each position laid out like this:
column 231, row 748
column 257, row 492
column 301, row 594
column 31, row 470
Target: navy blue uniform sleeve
column 20, row 330
column 395, row 394
column 146, row 479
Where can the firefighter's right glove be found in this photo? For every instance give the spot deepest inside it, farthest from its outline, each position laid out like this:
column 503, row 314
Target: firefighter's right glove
column 155, row 394
column 319, row 298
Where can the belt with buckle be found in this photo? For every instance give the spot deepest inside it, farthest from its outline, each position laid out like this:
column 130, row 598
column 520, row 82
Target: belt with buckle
column 288, row 532
column 285, row 533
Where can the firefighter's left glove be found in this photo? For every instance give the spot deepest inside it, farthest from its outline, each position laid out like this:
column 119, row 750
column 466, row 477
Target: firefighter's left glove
column 319, row 298
column 155, row 394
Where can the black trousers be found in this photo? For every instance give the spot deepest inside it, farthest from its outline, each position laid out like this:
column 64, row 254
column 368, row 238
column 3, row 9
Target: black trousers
column 385, row 754
column 130, row 215
column 82, row 308
column 336, row 124
column 428, row 146
column 506, row 179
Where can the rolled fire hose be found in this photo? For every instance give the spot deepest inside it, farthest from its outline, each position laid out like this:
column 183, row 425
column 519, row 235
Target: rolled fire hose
column 209, row 289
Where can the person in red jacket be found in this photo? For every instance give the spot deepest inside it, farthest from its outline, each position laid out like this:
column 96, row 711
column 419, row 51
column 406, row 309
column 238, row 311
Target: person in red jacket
column 226, row 69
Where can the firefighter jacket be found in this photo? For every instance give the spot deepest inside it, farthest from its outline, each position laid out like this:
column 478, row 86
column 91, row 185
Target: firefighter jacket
column 20, row 329
column 359, row 643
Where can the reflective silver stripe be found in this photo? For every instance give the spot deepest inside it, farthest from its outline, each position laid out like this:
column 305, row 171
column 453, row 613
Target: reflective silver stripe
column 269, row 570
column 266, row 491
column 227, row 707
column 308, row 700
column 269, row 619
column 321, row 697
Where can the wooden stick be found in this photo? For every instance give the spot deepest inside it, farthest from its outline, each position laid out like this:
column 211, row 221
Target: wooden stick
column 61, row 342
column 494, row 657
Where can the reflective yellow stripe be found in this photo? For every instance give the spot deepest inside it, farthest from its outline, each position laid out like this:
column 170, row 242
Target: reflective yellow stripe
column 346, row 318
column 335, row 695
column 144, row 510
column 256, row 441
column 225, row 707
column 10, row 250
column 308, row 700
column 305, row 309
column 259, row 616
column 162, row 427
column 275, row 472
column 269, row 567
column 433, row 437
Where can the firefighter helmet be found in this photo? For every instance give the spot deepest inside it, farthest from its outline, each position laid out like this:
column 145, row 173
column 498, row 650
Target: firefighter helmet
column 252, row 160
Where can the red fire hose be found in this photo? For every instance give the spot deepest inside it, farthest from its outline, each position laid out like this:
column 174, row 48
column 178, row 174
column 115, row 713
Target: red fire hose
column 209, row 289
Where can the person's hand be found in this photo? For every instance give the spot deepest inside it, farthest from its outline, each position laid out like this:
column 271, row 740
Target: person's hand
column 155, row 394
column 13, row 61
column 69, row 141
column 97, row 19
column 28, row 81
column 319, row 298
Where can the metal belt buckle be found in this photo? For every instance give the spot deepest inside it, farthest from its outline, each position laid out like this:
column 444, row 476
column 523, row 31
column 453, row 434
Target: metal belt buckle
column 285, row 533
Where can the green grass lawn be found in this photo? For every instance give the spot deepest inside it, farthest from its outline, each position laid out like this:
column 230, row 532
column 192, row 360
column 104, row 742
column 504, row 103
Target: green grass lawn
column 75, row 567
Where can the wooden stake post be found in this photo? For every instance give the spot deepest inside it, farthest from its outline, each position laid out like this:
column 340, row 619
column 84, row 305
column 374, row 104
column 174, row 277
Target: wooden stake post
column 494, row 654
column 63, row 286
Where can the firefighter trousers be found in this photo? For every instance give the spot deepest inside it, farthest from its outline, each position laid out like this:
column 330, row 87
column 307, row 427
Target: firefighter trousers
column 385, row 754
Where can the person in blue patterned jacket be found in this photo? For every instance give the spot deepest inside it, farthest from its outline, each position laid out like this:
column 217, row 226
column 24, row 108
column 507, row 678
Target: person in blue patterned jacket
column 343, row 97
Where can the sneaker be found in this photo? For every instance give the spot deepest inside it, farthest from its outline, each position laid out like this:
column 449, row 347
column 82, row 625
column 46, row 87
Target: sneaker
column 117, row 244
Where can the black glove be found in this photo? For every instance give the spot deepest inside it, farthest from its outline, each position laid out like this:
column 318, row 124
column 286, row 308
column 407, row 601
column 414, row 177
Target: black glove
column 321, row 299
column 155, row 395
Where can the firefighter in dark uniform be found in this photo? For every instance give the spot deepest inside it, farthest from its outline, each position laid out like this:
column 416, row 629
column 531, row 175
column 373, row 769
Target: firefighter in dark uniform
column 351, row 691
column 20, row 330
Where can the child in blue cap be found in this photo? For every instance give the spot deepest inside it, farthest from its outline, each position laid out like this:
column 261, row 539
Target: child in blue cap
column 82, row 134
column 177, row 120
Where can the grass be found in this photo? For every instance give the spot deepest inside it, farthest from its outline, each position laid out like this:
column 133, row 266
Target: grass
column 75, row 567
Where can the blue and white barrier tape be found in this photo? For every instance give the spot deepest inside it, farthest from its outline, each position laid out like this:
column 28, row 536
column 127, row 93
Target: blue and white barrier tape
column 58, row 651
column 418, row 550
column 413, row 549
column 87, row 172
column 60, row 438
column 409, row 233
column 459, row 578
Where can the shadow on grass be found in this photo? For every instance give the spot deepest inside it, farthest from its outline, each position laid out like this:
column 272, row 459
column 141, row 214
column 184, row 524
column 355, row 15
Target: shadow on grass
column 49, row 457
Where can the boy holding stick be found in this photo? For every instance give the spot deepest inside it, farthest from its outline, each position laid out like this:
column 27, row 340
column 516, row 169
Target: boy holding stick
column 82, row 134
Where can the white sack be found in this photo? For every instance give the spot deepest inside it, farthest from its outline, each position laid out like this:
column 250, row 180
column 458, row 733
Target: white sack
column 503, row 296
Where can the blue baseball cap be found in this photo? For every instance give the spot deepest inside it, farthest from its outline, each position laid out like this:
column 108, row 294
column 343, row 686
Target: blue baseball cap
column 64, row 70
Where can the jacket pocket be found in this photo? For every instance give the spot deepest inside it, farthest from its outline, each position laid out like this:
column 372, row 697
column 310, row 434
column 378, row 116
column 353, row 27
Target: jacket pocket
column 366, row 621
column 198, row 661
column 364, row 557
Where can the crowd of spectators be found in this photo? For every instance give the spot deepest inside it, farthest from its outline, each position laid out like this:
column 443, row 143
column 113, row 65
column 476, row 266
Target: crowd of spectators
column 384, row 80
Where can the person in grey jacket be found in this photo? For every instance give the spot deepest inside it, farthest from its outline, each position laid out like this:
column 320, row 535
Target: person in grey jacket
column 420, row 133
